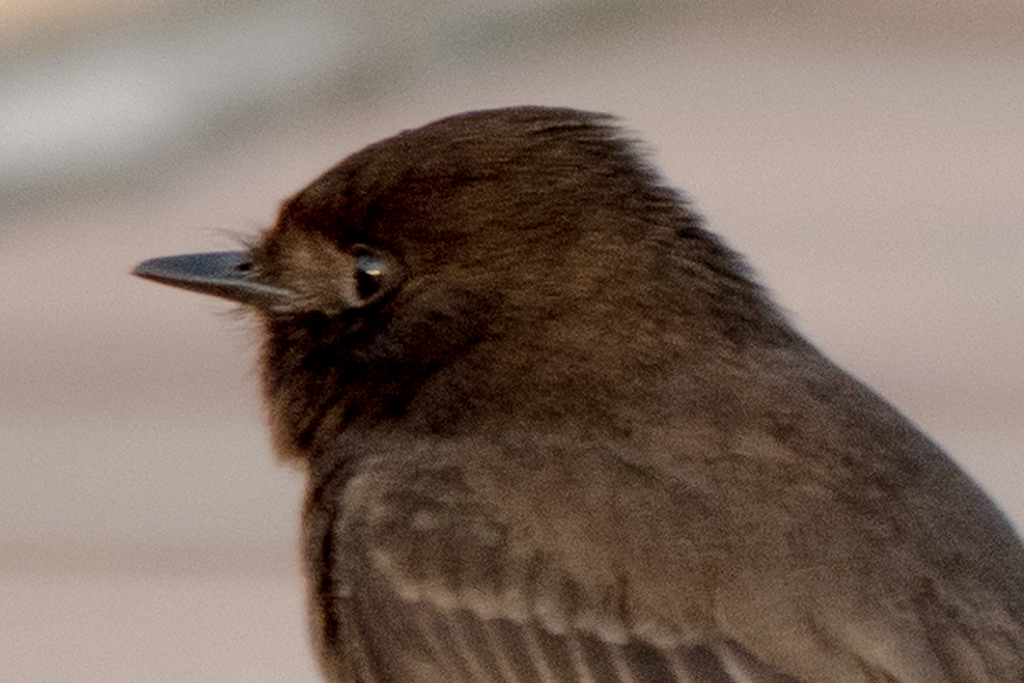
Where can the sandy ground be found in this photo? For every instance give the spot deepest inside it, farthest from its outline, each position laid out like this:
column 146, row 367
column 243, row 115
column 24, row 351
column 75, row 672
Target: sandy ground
column 146, row 533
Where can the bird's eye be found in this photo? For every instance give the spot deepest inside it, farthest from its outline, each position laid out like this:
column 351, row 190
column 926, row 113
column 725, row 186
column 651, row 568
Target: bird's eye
column 370, row 271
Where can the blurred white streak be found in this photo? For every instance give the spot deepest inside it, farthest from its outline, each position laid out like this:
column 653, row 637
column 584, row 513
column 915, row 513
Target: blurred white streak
column 114, row 101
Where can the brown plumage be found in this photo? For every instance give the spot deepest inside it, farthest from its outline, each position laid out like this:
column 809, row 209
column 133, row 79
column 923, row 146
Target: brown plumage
column 555, row 432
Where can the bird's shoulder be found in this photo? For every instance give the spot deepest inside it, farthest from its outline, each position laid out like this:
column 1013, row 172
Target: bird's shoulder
column 563, row 558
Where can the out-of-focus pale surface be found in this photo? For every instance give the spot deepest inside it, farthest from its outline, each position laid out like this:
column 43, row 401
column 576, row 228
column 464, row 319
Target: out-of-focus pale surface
column 86, row 626
column 870, row 166
column 23, row 15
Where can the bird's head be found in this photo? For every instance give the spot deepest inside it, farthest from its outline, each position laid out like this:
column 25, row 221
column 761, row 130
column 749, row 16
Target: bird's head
column 525, row 252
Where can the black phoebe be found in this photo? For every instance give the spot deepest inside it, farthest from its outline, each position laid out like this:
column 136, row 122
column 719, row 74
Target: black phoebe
column 555, row 432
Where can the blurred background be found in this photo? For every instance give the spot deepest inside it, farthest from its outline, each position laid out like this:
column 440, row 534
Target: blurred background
column 867, row 156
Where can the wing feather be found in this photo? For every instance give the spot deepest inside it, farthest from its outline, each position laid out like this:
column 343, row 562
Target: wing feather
column 417, row 579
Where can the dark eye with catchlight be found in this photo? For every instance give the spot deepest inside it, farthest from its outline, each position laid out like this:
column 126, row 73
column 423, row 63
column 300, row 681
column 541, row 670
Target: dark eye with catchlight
column 370, row 272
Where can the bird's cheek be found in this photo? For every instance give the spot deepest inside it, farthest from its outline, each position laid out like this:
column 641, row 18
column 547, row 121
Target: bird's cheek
column 431, row 327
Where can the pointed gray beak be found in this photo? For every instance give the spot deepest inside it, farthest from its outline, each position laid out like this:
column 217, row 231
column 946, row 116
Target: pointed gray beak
column 227, row 274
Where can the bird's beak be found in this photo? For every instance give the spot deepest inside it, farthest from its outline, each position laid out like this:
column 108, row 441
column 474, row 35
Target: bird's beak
column 227, row 274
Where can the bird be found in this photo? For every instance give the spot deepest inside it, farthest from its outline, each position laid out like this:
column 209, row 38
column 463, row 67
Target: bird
column 554, row 430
